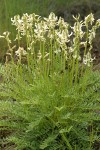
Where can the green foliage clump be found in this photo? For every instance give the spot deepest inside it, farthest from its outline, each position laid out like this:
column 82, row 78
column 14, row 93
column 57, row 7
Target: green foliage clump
column 48, row 114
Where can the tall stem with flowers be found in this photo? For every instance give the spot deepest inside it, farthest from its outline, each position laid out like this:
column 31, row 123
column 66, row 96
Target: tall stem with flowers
column 59, row 44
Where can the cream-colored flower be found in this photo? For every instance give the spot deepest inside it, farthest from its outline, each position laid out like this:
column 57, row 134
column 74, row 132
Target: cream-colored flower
column 89, row 19
column 57, row 51
column 87, row 60
column 52, row 17
column 92, row 34
column 17, row 22
column 62, row 24
column 76, row 55
column 83, row 43
column 21, row 52
column 24, row 23
column 39, row 56
column 40, row 30
column 46, row 55
column 98, row 23
column 51, row 20
column 77, row 29
column 6, row 36
column 71, row 49
column 62, row 37
column 76, row 17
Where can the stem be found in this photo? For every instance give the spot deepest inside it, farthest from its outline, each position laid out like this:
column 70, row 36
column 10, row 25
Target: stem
column 77, row 65
column 43, row 60
column 18, row 38
column 64, row 62
column 41, row 56
column 51, row 56
column 85, row 49
column 91, row 137
column 72, row 72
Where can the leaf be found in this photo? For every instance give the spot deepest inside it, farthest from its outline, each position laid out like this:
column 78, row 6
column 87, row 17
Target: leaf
column 66, row 130
column 47, row 141
column 59, row 108
column 33, row 124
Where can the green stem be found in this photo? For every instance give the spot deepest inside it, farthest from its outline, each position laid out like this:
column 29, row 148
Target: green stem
column 43, row 60
column 64, row 63
column 18, row 38
column 77, row 66
column 91, row 137
column 72, row 72
column 51, row 56
column 85, row 48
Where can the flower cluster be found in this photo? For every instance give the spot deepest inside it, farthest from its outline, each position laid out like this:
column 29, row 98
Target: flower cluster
column 20, row 52
column 89, row 19
column 6, row 36
column 87, row 60
column 58, row 35
column 25, row 22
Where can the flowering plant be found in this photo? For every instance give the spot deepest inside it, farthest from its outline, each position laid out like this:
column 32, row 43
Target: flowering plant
column 50, row 101
column 51, row 41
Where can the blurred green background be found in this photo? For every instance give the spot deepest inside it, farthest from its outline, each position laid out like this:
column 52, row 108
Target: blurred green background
column 63, row 8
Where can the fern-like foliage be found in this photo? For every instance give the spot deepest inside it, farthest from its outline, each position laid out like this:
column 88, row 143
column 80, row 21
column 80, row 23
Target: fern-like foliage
column 47, row 113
